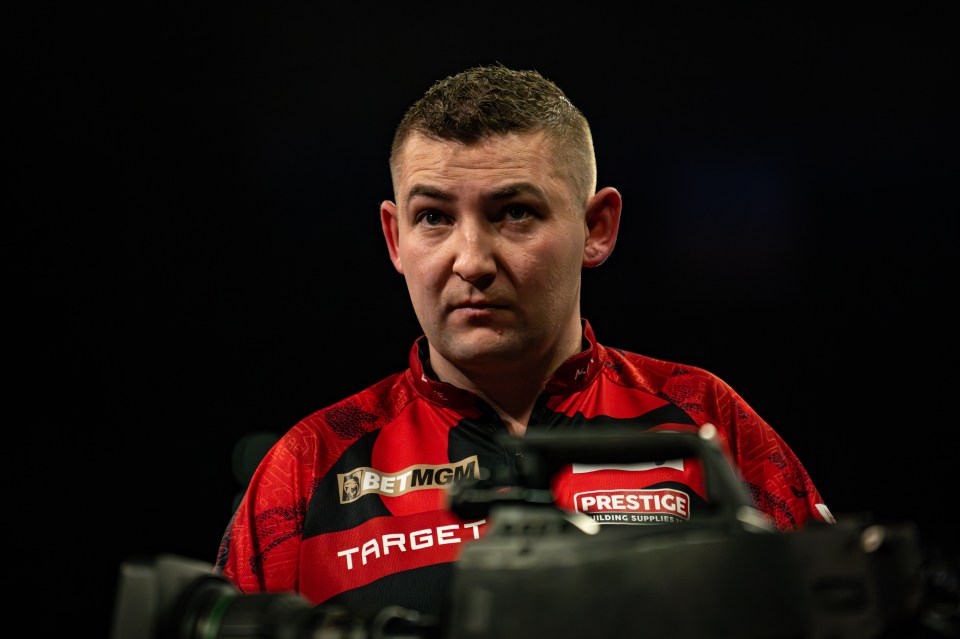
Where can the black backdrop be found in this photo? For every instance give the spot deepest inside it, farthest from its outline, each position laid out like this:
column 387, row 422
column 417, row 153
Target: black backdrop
column 194, row 252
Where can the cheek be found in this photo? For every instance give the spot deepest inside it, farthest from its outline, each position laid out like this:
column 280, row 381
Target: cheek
column 550, row 272
column 422, row 269
column 557, row 263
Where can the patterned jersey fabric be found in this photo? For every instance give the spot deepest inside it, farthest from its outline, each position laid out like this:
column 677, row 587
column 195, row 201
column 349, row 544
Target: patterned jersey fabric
column 350, row 505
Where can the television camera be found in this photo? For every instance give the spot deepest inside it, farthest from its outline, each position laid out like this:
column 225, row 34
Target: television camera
column 543, row 571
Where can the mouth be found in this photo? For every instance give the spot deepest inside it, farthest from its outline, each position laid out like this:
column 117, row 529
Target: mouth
column 477, row 309
column 477, row 306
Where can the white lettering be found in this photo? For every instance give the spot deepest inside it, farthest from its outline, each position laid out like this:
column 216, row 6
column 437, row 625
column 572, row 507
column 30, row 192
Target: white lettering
column 445, row 534
column 683, row 504
column 476, row 527
column 386, row 484
column 394, row 539
column 415, row 540
column 347, row 554
column 364, row 480
column 665, row 500
column 370, row 548
column 370, row 480
column 421, row 539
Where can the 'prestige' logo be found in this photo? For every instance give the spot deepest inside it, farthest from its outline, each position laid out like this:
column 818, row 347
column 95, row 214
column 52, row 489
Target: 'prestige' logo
column 658, row 506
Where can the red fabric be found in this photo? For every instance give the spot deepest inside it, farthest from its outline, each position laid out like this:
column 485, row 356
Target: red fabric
column 405, row 438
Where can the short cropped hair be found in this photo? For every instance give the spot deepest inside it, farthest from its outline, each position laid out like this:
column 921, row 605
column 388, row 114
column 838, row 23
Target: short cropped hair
column 494, row 100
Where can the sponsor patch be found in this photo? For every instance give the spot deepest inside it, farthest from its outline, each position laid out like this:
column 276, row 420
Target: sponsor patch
column 364, row 480
column 676, row 464
column 414, row 540
column 657, row 506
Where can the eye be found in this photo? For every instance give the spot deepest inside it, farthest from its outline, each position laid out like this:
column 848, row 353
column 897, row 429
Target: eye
column 517, row 212
column 430, row 217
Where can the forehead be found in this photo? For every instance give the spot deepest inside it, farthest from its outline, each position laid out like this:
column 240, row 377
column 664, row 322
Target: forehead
column 453, row 165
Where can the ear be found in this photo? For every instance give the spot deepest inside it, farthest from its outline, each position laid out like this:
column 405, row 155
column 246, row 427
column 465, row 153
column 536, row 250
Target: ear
column 391, row 232
column 602, row 220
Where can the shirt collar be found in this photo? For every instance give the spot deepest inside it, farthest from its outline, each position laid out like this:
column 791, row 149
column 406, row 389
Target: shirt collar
column 574, row 374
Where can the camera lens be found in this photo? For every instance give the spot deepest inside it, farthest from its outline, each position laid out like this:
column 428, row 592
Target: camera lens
column 210, row 608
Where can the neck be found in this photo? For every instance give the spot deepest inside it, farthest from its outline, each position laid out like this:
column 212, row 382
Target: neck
column 513, row 398
column 511, row 386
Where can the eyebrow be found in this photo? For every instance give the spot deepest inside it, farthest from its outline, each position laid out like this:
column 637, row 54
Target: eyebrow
column 504, row 193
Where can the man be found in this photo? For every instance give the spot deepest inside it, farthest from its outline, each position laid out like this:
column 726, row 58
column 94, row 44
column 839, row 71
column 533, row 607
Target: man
column 495, row 214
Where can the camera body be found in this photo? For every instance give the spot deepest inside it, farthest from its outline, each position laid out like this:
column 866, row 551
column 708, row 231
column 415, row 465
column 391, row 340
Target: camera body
column 683, row 582
column 542, row 571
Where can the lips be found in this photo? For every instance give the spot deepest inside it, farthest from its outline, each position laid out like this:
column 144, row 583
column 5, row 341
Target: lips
column 480, row 305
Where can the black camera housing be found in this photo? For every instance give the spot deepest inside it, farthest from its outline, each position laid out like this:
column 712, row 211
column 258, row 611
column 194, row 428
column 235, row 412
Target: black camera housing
column 542, row 571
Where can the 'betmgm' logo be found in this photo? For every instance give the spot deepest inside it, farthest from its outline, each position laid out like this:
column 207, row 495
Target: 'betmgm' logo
column 362, row 481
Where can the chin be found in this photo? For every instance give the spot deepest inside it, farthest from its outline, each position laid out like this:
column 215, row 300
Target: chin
column 486, row 346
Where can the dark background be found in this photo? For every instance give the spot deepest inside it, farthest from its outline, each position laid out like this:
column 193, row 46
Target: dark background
column 194, row 252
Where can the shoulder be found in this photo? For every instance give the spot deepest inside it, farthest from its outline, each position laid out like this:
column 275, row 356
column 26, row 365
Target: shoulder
column 699, row 392
column 364, row 411
column 658, row 373
column 323, row 435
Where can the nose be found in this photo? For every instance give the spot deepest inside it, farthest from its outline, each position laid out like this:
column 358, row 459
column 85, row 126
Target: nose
column 475, row 261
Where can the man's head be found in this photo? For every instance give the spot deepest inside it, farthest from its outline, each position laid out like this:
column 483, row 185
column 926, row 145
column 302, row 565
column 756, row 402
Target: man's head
column 494, row 218
column 495, row 100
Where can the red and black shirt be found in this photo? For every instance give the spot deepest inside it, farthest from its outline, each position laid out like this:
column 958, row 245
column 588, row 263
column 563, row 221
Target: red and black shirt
column 349, row 506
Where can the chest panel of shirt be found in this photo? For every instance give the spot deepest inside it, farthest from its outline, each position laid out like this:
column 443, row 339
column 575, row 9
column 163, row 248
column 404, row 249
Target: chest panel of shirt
column 401, row 469
column 393, row 518
column 606, row 398
column 654, row 490
column 413, row 460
